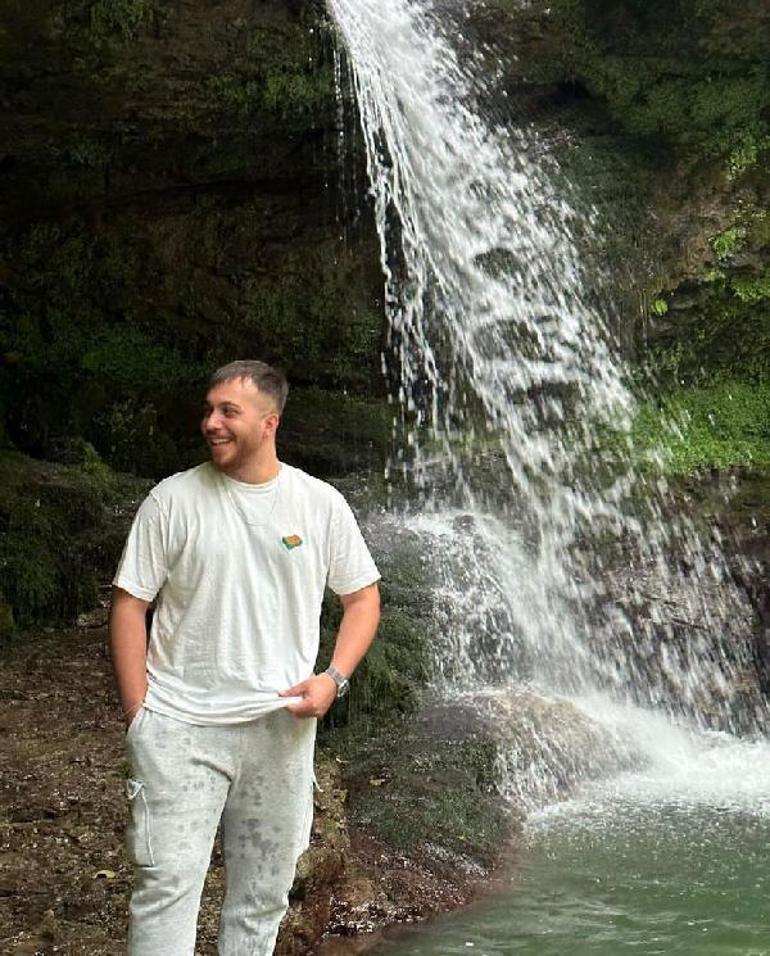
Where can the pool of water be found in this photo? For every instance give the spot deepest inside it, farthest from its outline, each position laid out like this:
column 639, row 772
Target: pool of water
column 676, row 860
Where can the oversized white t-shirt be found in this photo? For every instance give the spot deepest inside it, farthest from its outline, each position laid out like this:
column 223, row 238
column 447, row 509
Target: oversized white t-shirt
column 239, row 571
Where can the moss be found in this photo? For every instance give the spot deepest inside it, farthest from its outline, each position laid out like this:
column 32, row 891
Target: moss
column 426, row 795
column 122, row 18
column 729, row 241
column 59, row 534
column 100, row 327
column 388, row 682
column 659, row 307
column 304, row 315
column 752, row 289
column 81, row 345
column 74, row 149
column 721, row 425
column 746, row 155
column 284, row 72
column 156, row 225
column 295, row 93
column 233, row 94
column 667, row 72
column 758, row 228
column 723, row 334
column 331, row 433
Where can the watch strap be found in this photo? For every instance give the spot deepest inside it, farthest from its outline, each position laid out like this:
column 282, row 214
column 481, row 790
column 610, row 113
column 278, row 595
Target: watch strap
column 342, row 682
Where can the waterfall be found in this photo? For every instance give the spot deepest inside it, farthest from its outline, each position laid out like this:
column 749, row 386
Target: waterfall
column 500, row 361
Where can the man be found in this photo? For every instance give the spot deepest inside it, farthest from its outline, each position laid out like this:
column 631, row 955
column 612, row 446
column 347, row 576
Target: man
column 222, row 707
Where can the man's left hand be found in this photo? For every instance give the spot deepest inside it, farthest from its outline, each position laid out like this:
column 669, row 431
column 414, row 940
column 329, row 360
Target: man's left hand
column 318, row 693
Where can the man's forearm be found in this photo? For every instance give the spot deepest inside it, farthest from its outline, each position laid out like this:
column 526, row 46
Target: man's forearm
column 128, row 646
column 357, row 629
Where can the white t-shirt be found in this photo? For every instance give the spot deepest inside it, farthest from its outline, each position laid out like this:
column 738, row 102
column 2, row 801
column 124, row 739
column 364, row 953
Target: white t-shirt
column 239, row 571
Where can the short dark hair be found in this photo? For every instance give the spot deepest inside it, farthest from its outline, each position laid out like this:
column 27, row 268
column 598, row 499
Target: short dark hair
column 270, row 381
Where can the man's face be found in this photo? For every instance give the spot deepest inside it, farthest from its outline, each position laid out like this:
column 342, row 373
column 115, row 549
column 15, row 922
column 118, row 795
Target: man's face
column 238, row 421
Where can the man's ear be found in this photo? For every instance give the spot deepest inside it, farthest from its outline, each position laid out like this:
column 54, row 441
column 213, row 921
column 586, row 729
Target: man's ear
column 271, row 423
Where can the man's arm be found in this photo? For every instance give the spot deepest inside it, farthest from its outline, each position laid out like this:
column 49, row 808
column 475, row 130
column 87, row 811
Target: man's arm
column 361, row 615
column 128, row 646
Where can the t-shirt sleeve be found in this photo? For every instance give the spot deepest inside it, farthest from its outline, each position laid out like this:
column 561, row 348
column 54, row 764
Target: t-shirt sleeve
column 351, row 566
column 143, row 567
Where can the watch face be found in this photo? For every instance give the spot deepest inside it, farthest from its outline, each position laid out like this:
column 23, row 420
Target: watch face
column 343, row 688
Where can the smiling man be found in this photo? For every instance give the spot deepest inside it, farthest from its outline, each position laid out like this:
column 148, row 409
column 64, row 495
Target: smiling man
column 222, row 705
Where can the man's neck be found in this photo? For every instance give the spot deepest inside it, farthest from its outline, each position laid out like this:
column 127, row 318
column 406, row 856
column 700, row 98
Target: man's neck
column 257, row 472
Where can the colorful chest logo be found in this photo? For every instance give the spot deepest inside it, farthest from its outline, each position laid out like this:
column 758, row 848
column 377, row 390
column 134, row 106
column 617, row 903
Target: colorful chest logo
column 291, row 541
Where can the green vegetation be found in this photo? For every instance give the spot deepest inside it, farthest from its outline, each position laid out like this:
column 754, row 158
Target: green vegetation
column 330, row 433
column 61, row 532
column 725, row 424
column 415, row 795
column 283, row 73
column 83, row 348
column 729, row 241
column 124, row 18
column 751, row 289
column 127, row 271
column 389, row 680
column 723, row 334
column 666, row 72
column 108, row 336
column 746, row 155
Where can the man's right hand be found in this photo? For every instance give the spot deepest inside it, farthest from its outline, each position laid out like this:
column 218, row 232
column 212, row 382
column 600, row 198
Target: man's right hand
column 132, row 712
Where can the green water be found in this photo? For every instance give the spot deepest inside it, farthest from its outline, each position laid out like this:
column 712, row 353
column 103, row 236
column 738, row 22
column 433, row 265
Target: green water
column 618, row 876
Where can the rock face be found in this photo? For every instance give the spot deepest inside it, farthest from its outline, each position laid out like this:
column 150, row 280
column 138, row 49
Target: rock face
column 170, row 203
column 173, row 198
column 664, row 109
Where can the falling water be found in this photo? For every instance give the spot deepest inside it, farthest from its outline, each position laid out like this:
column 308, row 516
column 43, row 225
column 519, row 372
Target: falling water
column 508, row 383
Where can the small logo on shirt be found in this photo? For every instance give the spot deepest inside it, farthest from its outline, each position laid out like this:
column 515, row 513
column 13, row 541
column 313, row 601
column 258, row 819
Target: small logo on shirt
column 291, row 541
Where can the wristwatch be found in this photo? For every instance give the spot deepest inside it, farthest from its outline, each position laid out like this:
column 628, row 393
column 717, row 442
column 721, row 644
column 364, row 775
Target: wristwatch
column 343, row 684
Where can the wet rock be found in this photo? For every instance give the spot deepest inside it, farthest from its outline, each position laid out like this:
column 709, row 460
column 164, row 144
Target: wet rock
column 737, row 503
column 436, row 801
column 320, row 868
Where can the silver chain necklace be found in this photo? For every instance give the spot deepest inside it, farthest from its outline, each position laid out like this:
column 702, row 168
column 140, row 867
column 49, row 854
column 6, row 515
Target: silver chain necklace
column 237, row 505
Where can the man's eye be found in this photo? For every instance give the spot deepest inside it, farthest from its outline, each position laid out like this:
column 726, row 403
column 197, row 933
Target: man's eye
column 230, row 413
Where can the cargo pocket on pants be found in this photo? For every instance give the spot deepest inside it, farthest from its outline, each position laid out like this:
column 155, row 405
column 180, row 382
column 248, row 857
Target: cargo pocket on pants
column 138, row 835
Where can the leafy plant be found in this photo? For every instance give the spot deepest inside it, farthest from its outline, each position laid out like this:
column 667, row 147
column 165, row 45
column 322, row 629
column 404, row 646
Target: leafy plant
column 728, row 242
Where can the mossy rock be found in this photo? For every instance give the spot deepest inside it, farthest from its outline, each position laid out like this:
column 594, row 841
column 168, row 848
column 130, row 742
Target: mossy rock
column 156, row 225
column 122, row 330
column 449, row 786
column 61, row 533
column 391, row 677
column 717, row 328
column 428, row 792
column 330, row 433
column 722, row 424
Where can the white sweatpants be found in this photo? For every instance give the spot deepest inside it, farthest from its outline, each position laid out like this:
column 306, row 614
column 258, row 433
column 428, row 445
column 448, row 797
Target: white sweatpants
column 257, row 778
